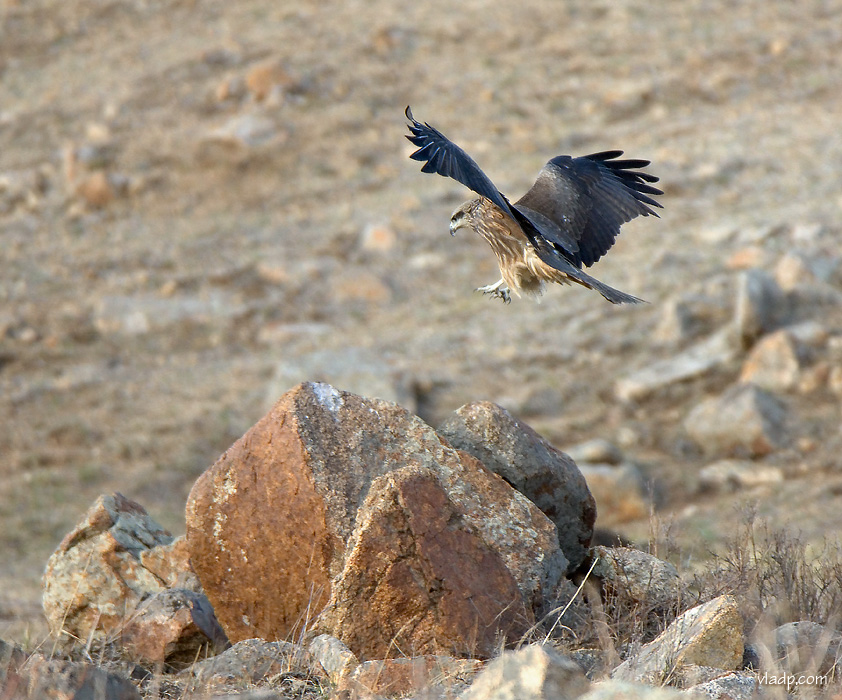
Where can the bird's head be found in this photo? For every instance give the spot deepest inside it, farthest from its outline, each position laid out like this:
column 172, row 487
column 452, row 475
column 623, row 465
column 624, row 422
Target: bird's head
column 462, row 217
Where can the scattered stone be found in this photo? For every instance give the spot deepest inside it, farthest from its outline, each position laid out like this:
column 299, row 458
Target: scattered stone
column 596, row 451
column 252, row 660
column 760, row 305
column 321, row 453
column 622, row 690
column 691, row 674
column 264, row 78
column 57, row 679
column 334, row 656
column 809, row 334
column 738, row 685
column 735, row 474
column 232, row 88
column 774, row 363
column 95, row 578
column 834, row 380
column 744, row 419
column 95, row 190
column 12, row 659
column 710, row 634
column 716, row 234
column 546, row 476
column 175, row 626
column 807, row 648
column 594, row 662
column 401, row 677
column 298, row 688
column 534, row 672
column 378, row 238
column 677, row 322
column 807, row 232
column 619, row 492
column 746, row 258
column 793, row 270
column 238, row 137
column 357, row 370
column 710, row 354
column 758, row 233
column 638, row 577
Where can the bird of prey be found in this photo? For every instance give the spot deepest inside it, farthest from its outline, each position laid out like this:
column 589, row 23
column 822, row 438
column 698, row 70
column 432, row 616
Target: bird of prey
column 569, row 218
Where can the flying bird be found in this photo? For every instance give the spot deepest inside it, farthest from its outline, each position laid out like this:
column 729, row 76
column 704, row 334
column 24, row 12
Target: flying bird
column 569, row 218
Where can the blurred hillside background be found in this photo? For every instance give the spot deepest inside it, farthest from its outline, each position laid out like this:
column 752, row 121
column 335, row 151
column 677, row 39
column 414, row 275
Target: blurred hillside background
column 203, row 203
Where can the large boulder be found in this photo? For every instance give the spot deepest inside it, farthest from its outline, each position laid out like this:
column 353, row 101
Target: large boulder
column 418, row 575
column 545, row 475
column 328, row 492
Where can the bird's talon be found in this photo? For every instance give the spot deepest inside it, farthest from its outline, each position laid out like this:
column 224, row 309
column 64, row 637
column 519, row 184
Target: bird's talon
column 496, row 292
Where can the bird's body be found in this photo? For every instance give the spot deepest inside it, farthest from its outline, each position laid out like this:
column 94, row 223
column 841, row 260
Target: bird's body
column 569, row 218
column 521, row 269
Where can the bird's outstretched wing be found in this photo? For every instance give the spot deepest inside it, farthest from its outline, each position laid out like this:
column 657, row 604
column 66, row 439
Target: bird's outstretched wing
column 588, row 199
column 440, row 155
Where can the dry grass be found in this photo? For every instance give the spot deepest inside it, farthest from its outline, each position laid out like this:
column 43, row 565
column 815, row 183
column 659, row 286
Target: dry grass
column 776, row 576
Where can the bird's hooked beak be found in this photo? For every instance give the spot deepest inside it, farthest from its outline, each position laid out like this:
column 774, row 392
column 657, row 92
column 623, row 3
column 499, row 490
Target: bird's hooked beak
column 453, row 227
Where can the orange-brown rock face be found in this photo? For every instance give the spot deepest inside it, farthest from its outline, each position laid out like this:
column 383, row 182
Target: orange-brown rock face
column 418, row 576
column 333, row 497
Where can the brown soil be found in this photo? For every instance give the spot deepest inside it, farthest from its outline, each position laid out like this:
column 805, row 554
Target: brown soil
column 188, row 192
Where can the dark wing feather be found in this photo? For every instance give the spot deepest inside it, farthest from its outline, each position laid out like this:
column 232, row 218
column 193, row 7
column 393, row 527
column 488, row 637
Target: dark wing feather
column 440, row 155
column 589, row 198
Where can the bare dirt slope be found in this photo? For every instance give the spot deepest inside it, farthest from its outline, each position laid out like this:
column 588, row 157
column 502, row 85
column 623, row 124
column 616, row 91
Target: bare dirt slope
column 193, row 193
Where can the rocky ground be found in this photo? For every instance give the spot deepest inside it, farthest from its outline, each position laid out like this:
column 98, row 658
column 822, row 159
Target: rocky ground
column 203, row 203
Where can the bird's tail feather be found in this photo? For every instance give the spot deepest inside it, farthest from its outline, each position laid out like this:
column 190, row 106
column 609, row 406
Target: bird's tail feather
column 615, row 296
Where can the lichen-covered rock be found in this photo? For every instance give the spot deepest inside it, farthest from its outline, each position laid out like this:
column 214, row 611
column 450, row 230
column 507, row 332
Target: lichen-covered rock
column 95, row 578
column 612, row 689
column 419, row 577
column 545, row 475
column 251, row 661
column 425, row 675
column 174, row 626
column 273, row 525
column 710, row 634
column 112, row 576
column 737, row 685
column 57, row 679
column 637, row 577
column 334, row 656
column 535, row 672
